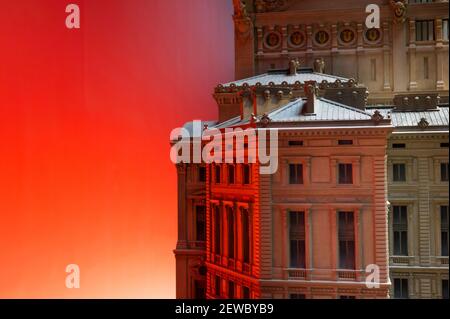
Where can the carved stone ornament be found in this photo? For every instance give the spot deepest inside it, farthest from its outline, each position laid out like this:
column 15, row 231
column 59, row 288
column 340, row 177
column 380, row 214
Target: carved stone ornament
column 319, row 65
column 377, row 117
column 242, row 21
column 423, row 124
column 265, row 120
column 294, row 65
column 400, row 9
column 262, row 6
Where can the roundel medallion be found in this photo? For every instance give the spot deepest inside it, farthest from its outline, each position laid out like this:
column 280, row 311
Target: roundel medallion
column 373, row 35
column 297, row 39
column 322, row 37
column 347, row 36
column 273, row 40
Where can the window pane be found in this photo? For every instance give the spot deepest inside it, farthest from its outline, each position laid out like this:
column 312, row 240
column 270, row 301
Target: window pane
column 246, row 174
column 201, row 223
column 295, row 174
column 444, row 172
column 444, row 289
column 230, row 222
column 345, row 174
column 399, row 172
column 217, row 173
column 397, row 246
column 404, row 243
column 231, row 174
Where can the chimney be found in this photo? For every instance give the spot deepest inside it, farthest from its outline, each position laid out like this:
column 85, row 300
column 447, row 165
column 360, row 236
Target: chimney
column 311, row 97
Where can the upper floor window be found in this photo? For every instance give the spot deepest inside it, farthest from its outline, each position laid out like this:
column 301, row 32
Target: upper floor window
column 444, row 231
column 444, row 172
column 399, row 172
column 217, row 231
column 345, row 142
column 297, row 239
column 246, row 174
column 200, row 223
column 295, row 143
column 245, row 236
column 295, row 174
column 401, row 288
column 445, row 289
column 445, row 30
column 347, row 297
column 400, row 230
column 231, row 174
column 217, row 174
column 230, row 222
column 399, row 145
column 345, row 174
column 425, row 30
column 202, row 174
column 346, row 236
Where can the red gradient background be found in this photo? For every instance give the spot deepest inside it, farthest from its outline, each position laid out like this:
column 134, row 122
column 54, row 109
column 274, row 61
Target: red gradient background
column 85, row 117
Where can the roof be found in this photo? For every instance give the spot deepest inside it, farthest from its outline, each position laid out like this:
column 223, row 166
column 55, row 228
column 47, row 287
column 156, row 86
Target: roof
column 278, row 77
column 324, row 110
column 436, row 118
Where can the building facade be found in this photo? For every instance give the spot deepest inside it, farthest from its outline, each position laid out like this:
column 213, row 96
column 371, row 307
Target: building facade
column 362, row 177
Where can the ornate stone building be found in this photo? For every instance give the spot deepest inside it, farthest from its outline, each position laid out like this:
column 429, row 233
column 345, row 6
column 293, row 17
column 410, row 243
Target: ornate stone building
column 362, row 177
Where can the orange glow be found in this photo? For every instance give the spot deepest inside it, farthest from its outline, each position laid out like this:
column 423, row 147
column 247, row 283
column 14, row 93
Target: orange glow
column 85, row 120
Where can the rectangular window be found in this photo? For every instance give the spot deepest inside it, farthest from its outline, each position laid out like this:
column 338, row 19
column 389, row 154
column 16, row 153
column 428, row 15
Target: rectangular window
column 295, row 174
column 399, row 172
column 245, row 293
column 297, row 296
column 202, row 174
column 400, row 230
column 444, row 231
column 230, row 290
column 218, row 286
column 295, row 143
column 231, row 175
column 401, row 288
column 230, row 222
column 217, row 174
column 246, row 174
column 373, row 69
column 246, row 236
column 217, row 231
column 345, row 174
column 346, row 234
column 345, row 142
column 297, row 239
column 444, row 145
column 347, row 297
column 445, row 30
column 200, row 223
column 398, row 145
column 425, row 30
column 445, row 289
column 444, row 172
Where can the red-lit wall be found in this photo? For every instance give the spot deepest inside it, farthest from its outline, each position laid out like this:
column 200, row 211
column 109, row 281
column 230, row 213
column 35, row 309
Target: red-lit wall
column 85, row 117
